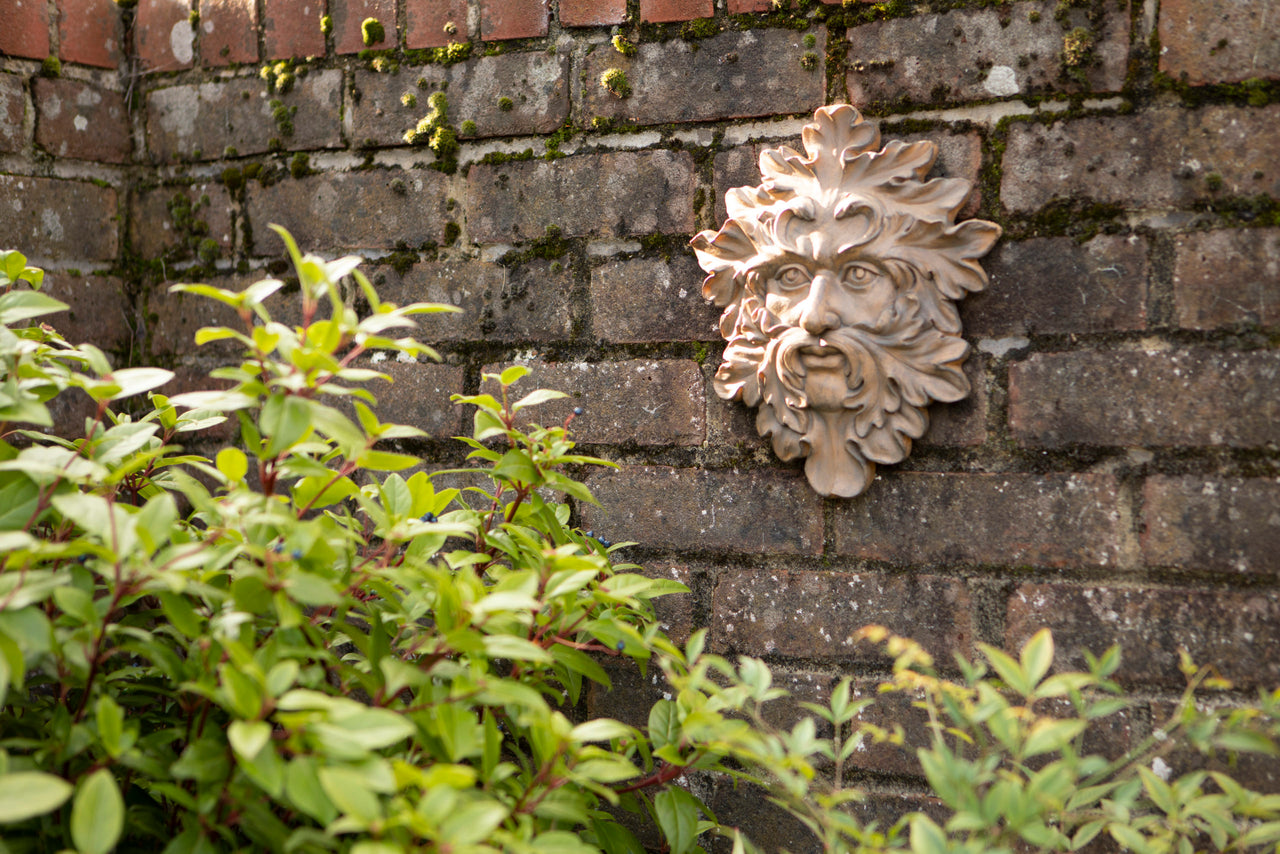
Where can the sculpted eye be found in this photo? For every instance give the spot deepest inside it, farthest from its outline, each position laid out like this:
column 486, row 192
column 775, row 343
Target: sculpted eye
column 858, row 275
column 793, row 276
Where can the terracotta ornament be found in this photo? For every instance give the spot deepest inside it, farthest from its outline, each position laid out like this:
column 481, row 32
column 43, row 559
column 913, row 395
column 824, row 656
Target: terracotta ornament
column 838, row 275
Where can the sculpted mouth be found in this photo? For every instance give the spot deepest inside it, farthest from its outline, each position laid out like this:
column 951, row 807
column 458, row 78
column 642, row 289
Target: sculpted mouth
column 821, row 355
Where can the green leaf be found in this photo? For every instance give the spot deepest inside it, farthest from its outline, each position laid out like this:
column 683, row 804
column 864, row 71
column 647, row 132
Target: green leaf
column 110, row 720
column 677, row 813
column 600, row 729
column 350, row 793
column 248, row 737
column 31, row 793
column 19, row 496
column 515, row 648
column 542, row 395
column 513, row 374
column 1008, row 669
column 97, row 814
column 133, row 381
column 1048, row 735
column 926, row 837
column 1037, row 656
column 516, row 467
column 17, row 306
column 232, row 463
column 1129, row 838
column 664, row 724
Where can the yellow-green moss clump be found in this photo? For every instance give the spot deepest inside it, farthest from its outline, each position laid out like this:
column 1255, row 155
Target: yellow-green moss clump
column 615, row 81
column 372, row 32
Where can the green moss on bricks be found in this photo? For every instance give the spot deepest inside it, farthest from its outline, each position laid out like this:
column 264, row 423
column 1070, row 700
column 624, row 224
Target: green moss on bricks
column 409, row 99
column 698, row 29
column 232, row 179
column 506, row 104
column 434, row 131
column 615, row 81
column 51, row 67
column 326, row 24
column 372, row 32
column 1077, row 47
column 452, row 231
column 300, row 165
column 809, row 61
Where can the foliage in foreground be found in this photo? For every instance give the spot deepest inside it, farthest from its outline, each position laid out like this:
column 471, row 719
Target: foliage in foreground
column 295, row 648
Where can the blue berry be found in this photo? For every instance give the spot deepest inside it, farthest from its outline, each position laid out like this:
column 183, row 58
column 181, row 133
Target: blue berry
column 577, row 410
column 622, row 645
column 296, row 554
column 428, row 517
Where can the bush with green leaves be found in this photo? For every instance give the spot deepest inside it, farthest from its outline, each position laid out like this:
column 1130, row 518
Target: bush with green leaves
column 308, row 643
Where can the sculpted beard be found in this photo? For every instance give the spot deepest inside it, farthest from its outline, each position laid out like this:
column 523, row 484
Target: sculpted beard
column 851, row 398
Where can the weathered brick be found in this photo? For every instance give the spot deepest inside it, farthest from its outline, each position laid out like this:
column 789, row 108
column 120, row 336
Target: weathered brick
column 513, row 19
column 767, row 78
column 228, row 31
column 291, row 28
column 747, row 807
column 539, row 82
column 1236, row 631
column 70, row 411
column 1150, row 159
column 1165, row 399
column 1219, row 42
column 418, row 395
column 886, row 711
column 203, row 120
column 650, row 299
column 660, row 11
column 531, row 302
column 1227, row 276
column 90, row 32
column 591, row 13
column 170, row 222
column 99, row 310
column 26, row 29
column 816, row 613
column 969, row 55
column 699, row 509
column 1209, row 523
column 634, row 402
column 642, row 193
column 1051, row 520
column 82, row 121
column 1056, row 285
column 13, row 109
column 349, row 15
column 428, row 22
column 164, row 39
column 50, row 218
column 959, row 156
column 365, row 210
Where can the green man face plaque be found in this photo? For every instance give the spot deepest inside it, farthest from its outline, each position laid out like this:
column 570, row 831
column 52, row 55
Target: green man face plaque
column 838, row 275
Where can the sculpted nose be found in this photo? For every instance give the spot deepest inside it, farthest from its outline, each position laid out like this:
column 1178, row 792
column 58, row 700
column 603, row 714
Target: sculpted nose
column 817, row 314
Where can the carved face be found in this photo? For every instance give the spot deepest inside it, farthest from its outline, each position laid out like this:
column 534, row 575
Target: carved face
column 837, row 275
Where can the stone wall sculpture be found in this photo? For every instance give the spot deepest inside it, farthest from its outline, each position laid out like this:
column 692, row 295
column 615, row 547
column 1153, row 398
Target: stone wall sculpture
column 838, row 275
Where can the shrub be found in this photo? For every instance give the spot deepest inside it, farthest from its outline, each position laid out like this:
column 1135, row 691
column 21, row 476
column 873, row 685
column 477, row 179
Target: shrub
column 295, row 647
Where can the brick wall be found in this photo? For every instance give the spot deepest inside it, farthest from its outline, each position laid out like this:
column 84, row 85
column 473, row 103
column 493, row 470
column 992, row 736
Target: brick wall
column 1115, row 474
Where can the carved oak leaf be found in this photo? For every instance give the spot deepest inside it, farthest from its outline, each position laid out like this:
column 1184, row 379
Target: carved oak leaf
column 838, row 276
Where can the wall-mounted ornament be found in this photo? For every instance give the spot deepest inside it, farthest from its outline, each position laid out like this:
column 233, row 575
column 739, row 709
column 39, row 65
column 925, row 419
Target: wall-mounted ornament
column 838, row 276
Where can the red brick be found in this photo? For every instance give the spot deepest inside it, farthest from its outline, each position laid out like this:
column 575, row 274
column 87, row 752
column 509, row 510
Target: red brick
column 1226, row 277
column 53, row 219
column 959, row 156
column 1236, row 631
column 1219, row 42
column 592, row 13
column 646, row 192
column 13, row 109
column 200, row 121
column 1150, row 159
column 1163, row 399
column 634, row 402
column 351, row 210
column 82, row 121
column 538, row 81
column 969, row 55
column 659, row 11
column 962, row 424
column 418, row 395
column 530, row 302
column 348, row 15
column 662, row 507
column 99, row 310
column 90, row 32
column 735, row 75
column 163, row 37
column 427, row 23
column 291, row 29
column 1215, row 524
column 743, row 7
column 650, row 299
column 156, row 235
column 228, row 31
column 1055, row 520
column 1056, row 285
column 26, row 29
column 513, row 19
column 808, row 614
